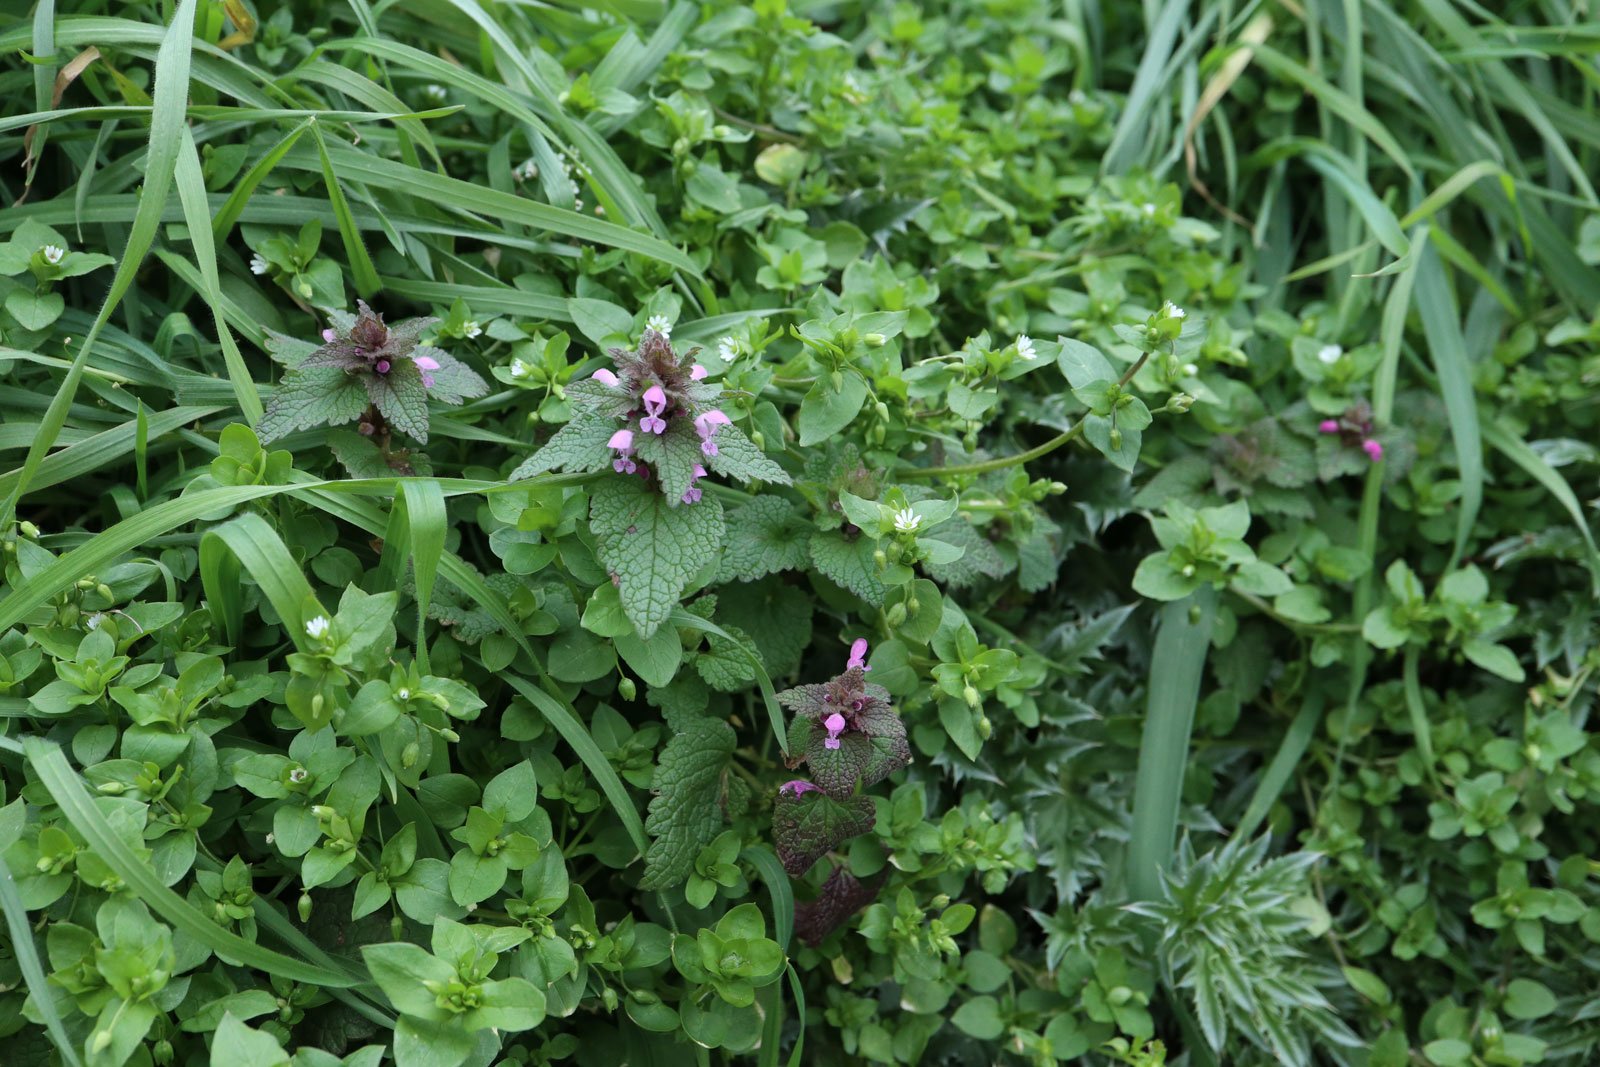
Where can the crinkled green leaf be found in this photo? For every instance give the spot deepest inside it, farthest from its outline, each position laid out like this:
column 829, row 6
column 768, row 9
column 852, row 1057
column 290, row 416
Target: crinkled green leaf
column 849, row 564
column 579, row 446
column 765, row 536
column 317, row 396
column 687, row 811
column 653, row 549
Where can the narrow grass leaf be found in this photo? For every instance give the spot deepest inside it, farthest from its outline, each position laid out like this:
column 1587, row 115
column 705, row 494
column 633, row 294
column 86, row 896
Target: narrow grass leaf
column 192, row 194
column 1181, row 646
column 1302, row 728
column 363, row 273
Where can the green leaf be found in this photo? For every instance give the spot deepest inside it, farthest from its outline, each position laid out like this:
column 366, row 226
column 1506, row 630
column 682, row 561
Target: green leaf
column 825, row 411
column 34, row 311
column 1528, row 1000
column 1082, row 363
column 237, row 1045
column 579, row 447
column 431, row 1044
column 687, row 811
column 401, row 398
column 1494, row 658
column 654, row 549
column 980, row 1018
column 849, row 564
column 316, row 396
column 765, row 536
column 738, row 457
column 401, row 969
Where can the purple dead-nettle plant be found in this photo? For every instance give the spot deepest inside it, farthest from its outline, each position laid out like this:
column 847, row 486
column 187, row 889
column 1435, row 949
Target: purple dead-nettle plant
column 845, row 729
column 654, row 416
column 849, row 736
column 365, row 371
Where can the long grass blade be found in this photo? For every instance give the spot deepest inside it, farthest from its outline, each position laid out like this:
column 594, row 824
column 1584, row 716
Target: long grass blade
column 1182, row 642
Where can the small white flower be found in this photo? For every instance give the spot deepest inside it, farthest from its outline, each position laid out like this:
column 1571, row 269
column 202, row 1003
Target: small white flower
column 53, row 254
column 600, row 210
column 729, row 348
column 1025, row 348
column 258, row 264
column 1149, row 210
column 472, row 907
column 433, row 92
column 317, row 626
column 1191, row 369
column 577, row 203
column 906, row 520
column 1172, row 311
column 660, row 324
column 403, row 693
column 472, row 329
column 1330, row 354
column 298, row 775
column 271, row 838
column 519, row 369
column 93, row 621
column 527, row 172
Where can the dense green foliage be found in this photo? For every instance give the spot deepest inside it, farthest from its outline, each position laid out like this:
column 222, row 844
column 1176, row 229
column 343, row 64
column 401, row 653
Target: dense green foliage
column 648, row 532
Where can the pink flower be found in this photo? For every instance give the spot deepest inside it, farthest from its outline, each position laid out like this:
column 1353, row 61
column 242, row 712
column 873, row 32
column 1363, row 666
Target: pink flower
column 799, row 787
column 693, row 493
column 835, row 724
column 1328, row 426
column 655, row 402
column 622, row 441
column 605, row 378
column 706, row 426
column 382, row 366
column 426, row 364
column 1373, row 449
column 858, row 656
column 329, row 336
column 696, row 372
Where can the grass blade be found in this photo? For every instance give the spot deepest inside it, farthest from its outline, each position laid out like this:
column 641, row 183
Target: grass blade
column 1441, row 324
column 1277, row 774
column 364, row 273
column 192, row 194
column 1501, row 437
column 425, row 524
column 560, row 715
column 256, row 546
column 1182, row 643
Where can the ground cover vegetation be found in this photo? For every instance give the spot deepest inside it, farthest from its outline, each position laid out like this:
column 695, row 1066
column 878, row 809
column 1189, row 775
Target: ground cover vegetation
column 986, row 532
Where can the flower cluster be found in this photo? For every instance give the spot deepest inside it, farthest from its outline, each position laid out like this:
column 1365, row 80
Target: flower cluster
column 670, row 429
column 1355, row 427
column 845, row 730
column 369, row 370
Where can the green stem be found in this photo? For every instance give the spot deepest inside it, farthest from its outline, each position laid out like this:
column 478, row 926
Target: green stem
column 1031, row 454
